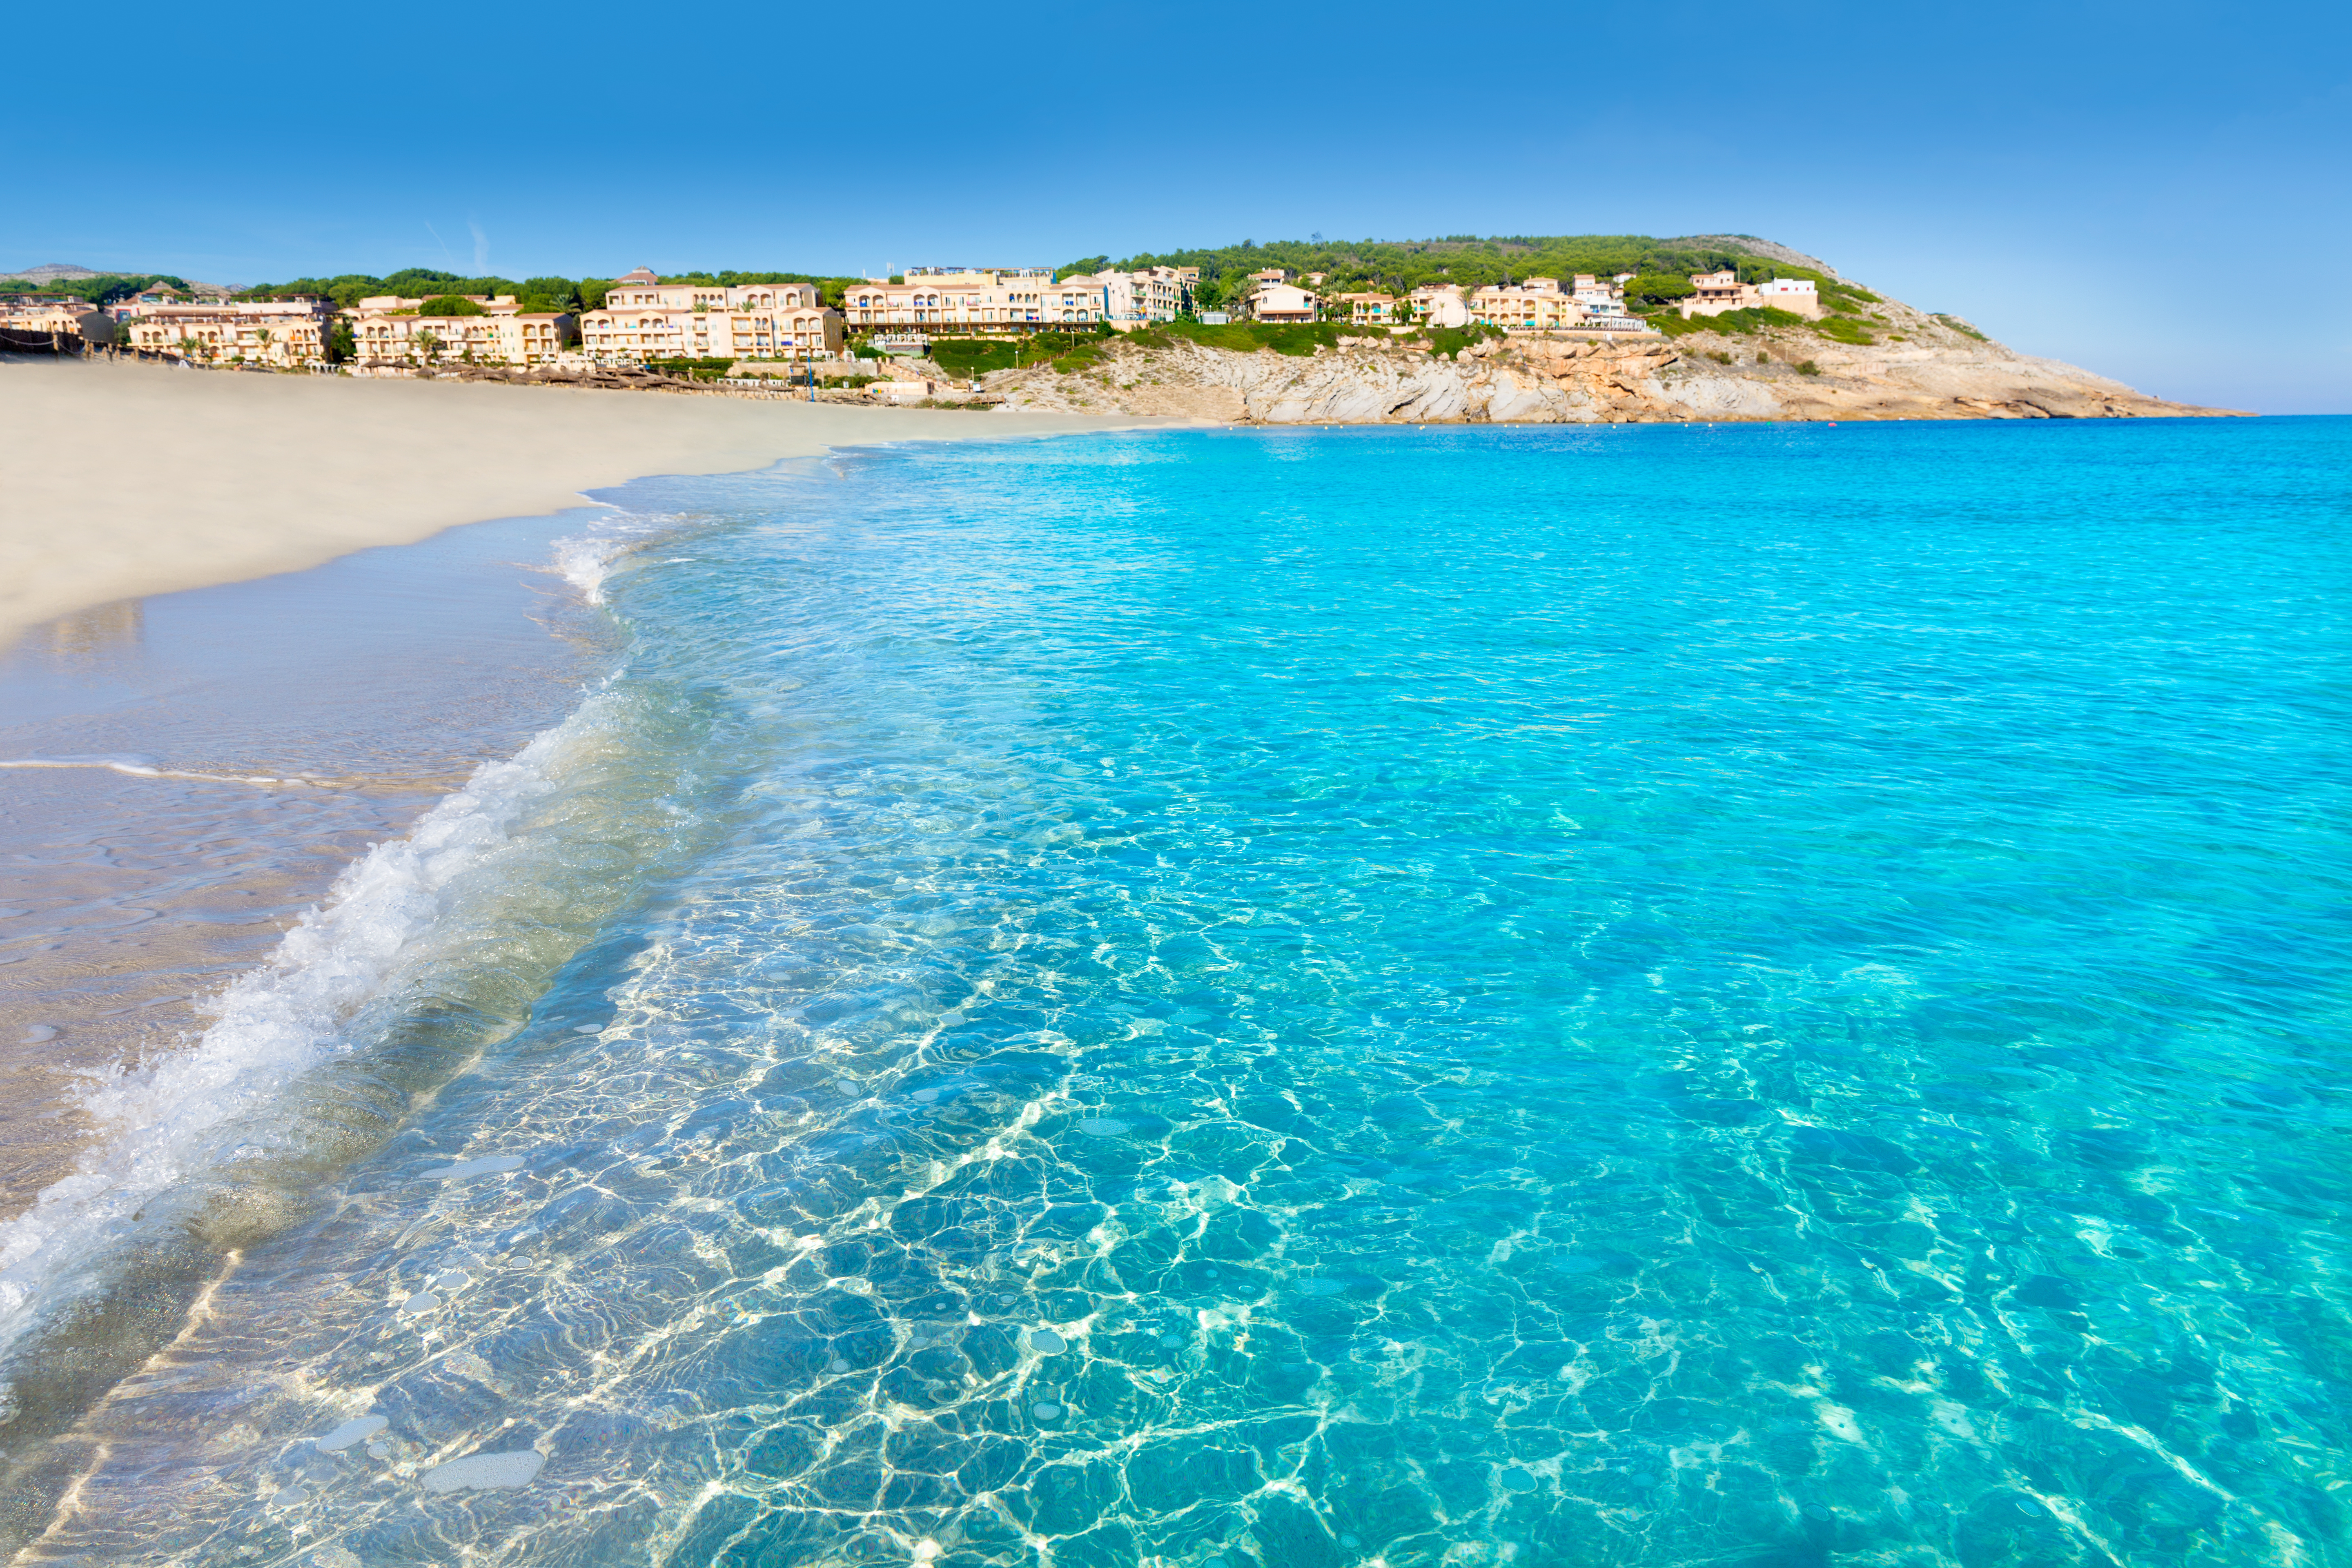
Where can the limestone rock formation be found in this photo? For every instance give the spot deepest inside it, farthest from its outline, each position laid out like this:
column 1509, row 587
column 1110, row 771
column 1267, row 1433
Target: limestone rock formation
column 1918, row 367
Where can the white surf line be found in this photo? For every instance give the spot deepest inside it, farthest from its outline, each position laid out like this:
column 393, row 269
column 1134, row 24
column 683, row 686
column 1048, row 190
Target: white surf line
column 143, row 771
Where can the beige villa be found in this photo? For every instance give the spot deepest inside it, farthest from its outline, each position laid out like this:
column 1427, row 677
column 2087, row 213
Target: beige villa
column 1270, row 301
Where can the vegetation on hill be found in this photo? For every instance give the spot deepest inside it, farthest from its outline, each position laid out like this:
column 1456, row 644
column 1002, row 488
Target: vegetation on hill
column 574, row 294
column 104, row 291
column 1397, row 267
column 347, row 290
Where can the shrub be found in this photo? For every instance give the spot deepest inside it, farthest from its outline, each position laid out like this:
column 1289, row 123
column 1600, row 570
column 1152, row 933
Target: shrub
column 1720, row 357
column 1957, row 325
column 706, row 369
column 1755, row 318
column 967, row 357
column 1843, row 330
column 1454, row 340
column 451, row 305
column 1807, row 367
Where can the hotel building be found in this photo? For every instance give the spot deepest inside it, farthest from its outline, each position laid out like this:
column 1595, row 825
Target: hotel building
column 644, row 318
column 978, row 303
column 280, row 333
column 387, row 329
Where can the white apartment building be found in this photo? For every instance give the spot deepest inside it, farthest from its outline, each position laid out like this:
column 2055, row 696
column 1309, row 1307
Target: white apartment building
column 1598, row 296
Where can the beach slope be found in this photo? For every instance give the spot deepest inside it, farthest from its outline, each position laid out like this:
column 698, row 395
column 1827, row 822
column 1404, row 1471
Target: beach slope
column 129, row 479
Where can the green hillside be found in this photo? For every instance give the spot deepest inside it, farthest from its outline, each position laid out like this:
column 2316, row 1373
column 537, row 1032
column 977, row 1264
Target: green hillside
column 1397, row 267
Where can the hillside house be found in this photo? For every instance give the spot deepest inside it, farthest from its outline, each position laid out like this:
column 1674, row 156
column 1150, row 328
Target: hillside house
column 1286, row 302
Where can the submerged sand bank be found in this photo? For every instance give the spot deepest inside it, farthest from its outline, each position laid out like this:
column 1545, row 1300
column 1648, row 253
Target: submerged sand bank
column 122, row 480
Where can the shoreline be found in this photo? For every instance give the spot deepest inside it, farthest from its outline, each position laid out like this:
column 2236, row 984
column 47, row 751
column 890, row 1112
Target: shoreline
column 127, row 480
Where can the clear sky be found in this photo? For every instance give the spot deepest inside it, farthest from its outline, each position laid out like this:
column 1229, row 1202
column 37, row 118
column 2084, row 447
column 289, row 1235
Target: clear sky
column 2158, row 191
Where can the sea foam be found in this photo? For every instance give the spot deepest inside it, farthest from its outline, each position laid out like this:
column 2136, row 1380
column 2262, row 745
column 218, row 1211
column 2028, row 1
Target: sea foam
column 171, row 1119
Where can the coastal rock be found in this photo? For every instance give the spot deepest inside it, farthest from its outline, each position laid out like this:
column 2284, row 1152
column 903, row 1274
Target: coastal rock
column 1919, row 366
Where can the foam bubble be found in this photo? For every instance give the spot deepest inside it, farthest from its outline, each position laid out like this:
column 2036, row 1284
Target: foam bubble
column 518, row 1468
column 1103, row 1127
column 423, row 1302
column 1045, row 1341
column 1045, row 1410
column 351, row 1432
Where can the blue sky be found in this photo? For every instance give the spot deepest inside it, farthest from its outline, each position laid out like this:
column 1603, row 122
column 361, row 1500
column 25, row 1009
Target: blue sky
column 2156, row 191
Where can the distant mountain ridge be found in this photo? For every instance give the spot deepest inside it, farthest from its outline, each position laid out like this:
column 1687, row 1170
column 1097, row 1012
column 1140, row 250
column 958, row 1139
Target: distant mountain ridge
column 70, row 272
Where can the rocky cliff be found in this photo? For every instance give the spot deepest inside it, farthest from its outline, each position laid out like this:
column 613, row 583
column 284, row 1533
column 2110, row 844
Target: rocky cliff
column 1918, row 367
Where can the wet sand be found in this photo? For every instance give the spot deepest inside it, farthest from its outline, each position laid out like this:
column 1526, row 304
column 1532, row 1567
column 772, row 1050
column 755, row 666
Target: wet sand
column 180, row 777
column 125, row 479
column 215, row 613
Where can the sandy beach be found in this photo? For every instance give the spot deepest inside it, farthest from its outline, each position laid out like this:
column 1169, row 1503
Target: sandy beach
column 128, row 479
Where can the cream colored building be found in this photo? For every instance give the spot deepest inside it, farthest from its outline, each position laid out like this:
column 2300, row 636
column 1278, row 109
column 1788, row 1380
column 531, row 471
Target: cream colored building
column 501, row 335
column 1372, row 309
column 1439, row 305
column 19, row 313
column 965, row 302
column 644, row 318
column 282, row 333
column 1721, row 291
column 1538, row 305
column 1283, row 302
column 1796, row 295
column 1131, row 299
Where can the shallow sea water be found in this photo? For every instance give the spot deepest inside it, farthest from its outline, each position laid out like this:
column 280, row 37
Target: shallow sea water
column 1624, row 995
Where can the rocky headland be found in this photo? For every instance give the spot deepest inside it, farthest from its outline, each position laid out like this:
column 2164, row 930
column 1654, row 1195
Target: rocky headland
column 1918, row 367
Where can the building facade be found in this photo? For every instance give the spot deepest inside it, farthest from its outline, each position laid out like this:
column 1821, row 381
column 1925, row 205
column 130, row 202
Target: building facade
column 1538, row 305
column 1373, row 310
column 966, row 303
column 1284, row 302
column 1796, row 295
column 1438, row 305
column 387, row 330
column 285, row 334
column 643, row 319
column 1131, row 299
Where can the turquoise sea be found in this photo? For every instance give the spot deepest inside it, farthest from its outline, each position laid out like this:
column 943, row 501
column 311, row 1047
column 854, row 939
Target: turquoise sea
column 1756, row 995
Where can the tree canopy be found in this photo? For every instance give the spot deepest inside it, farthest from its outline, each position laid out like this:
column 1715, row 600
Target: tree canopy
column 100, row 290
